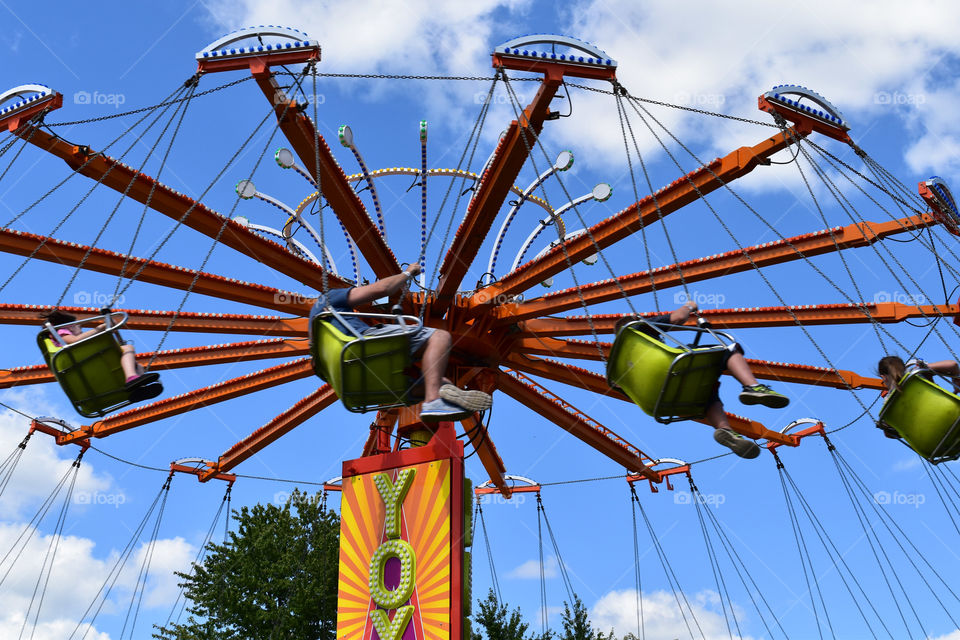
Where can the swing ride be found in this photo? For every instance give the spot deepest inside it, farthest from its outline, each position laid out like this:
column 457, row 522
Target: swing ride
column 406, row 511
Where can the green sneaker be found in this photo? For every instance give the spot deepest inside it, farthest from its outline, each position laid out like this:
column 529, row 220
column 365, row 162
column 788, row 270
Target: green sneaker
column 743, row 447
column 762, row 394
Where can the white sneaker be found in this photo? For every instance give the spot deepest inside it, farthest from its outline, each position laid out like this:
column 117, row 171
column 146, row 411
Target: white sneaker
column 439, row 410
column 468, row 399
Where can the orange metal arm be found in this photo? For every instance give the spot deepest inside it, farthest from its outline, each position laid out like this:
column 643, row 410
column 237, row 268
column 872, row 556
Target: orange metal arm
column 782, row 371
column 806, row 245
column 494, row 186
column 175, row 205
column 306, row 141
column 674, row 196
column 586, row 379
column 102, row 261
column 273, row 430
column 189, row 321
column 570, row 419
column 196, row 399
column 779, row 316
column 176, row 359
column 487, row 452
column 381, row 432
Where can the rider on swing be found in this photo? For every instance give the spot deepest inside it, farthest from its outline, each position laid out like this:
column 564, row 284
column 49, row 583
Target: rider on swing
column 442, row 400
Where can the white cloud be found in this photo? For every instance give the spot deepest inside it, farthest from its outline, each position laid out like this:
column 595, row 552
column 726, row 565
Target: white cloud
column 42, row 463
column 79, row 572
column 531, row 569
column 79, row 569
column 907, row 464
column 953, row 635
column 661, row 617
column 894, row 51
column 12, row 623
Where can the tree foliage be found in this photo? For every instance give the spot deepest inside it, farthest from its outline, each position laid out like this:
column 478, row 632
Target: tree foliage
column 274, row 578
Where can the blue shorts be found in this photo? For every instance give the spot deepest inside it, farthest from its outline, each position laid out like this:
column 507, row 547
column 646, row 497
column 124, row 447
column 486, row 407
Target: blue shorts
column 338, row 301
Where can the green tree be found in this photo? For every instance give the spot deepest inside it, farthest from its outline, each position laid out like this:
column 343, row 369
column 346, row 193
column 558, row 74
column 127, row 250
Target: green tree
column 576, row 623
column 275, row 578
column 499, row 624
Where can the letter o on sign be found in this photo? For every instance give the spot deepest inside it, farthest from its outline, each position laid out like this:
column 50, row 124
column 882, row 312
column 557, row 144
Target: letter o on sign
column 384, row 597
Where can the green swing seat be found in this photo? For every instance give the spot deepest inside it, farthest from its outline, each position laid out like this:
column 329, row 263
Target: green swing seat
column 89, row 370
column 368, row 372
column 925, row 415
column 670, row 383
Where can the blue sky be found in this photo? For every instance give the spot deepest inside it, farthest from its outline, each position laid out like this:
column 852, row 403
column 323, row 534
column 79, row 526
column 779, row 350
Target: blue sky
column 892, row 71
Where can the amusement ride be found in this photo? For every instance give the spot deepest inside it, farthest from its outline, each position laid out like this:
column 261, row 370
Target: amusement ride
column 410, row 517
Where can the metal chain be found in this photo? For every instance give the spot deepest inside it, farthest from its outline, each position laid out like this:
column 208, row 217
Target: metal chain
column 76, row 171
column 117, row 292
column 120, row 201
column 715, row 114
column 223, row 226
column 166, row 102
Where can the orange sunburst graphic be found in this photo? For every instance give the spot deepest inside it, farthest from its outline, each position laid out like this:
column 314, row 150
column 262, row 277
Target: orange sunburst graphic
column 425, row 525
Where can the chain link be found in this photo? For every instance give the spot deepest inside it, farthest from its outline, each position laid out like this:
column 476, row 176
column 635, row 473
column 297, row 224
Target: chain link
column 191, row 81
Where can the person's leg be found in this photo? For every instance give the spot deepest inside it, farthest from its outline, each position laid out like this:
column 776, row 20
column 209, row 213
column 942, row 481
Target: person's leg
column 753, row 392
column 723, row 434
column 739, row 368
column 132, row 371
column 128, row 360
column 434, row 363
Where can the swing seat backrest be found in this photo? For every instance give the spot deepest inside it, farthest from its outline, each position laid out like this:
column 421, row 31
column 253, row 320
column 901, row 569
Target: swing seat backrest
column 926, row 417
column 669, row 383
column 367, row 373
column 89, row 372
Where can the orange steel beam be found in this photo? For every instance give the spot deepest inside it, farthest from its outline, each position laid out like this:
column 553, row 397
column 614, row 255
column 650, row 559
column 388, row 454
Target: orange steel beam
column 488, row 455
column 273, row 430
column 196, row 471
column 310, row 146
column 648, row 210
column 196, row 399
column 586, row 379
column 770, row 253
column 110, row 262
column 494, row 186
column 752, row 317
column 229, row 323
column 381, row 432
column 576, row 423
column 176, row 205
column 176, row 359
column 782, row 371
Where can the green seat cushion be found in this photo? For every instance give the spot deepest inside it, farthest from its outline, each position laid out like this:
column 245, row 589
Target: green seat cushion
column 89, row 372
column 668, row 383
column 925, row 415
column 367, row 373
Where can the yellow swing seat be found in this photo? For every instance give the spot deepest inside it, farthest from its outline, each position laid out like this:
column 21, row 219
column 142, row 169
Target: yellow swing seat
column 925, row 415
column 368, row 372
column 668, row 382
column 89, row 370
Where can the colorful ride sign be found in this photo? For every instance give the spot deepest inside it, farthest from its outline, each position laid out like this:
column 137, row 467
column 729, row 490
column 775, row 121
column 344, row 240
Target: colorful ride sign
column 402, row 545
